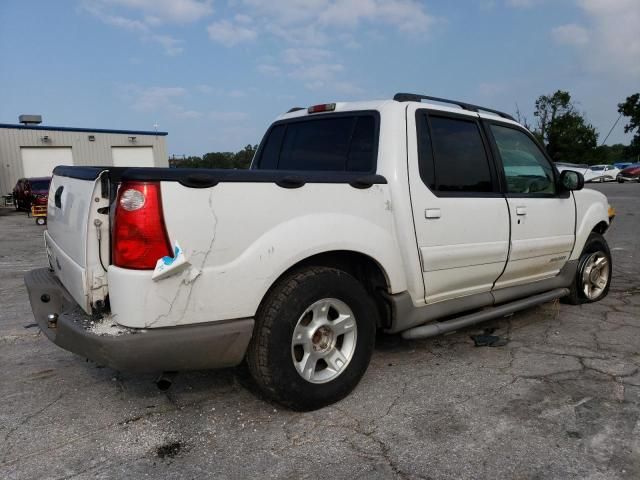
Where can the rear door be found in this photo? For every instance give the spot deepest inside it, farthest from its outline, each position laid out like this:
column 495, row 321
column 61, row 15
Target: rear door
column 542, row 218
column 461, row 217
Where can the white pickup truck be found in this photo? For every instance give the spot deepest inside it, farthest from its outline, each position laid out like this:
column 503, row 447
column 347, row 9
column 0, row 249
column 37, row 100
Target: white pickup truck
column 416, row 215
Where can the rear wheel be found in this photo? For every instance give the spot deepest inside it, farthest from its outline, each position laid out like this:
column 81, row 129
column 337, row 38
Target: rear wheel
column 593, row 276
column 313, row 338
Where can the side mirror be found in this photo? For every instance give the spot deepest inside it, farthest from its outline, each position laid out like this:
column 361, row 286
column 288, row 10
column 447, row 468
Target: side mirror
column 570, row 180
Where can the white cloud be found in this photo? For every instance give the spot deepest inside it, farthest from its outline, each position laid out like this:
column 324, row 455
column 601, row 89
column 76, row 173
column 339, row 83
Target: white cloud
column 171, row 45
column 230, row 34
column 155, row 98
column 170, row 11
column 159, row 100
column 189, row 114
column 570, row 34
column 405, row 15
column 611, row 41
column 269, row 69
column 144, row 17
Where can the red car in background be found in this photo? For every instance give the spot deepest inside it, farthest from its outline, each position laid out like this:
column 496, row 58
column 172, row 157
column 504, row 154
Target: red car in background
column 31, row 191
column 629, row 174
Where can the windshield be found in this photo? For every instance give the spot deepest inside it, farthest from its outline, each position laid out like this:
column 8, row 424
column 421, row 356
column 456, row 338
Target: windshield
column 40, row 185
column 597, row 168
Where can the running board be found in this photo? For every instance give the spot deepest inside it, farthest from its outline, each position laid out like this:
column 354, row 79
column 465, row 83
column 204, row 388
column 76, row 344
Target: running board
column 438, row 328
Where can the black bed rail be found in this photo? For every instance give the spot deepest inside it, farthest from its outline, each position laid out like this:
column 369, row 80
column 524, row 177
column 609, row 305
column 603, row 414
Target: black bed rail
column 207, row 177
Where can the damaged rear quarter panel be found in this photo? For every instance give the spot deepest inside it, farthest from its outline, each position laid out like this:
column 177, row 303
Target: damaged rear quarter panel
column 240, row 237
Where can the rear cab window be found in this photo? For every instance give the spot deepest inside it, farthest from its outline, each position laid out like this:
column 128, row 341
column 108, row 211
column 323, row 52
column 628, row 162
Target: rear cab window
column 453, row 158
column 337, row 142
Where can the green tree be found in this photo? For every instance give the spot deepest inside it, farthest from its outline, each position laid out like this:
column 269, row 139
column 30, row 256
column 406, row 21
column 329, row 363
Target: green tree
column 243, row 157
column 630, row 108
column 548, row 108
column 571, row 139
column 563, row 129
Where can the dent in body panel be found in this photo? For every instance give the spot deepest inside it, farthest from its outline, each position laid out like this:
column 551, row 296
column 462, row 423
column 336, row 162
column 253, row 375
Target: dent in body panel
column 187, row 280
column 248, row 247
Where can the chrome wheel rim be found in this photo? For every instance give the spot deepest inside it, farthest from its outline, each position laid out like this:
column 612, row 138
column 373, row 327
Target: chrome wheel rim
column 595, row 275
column 324, row 340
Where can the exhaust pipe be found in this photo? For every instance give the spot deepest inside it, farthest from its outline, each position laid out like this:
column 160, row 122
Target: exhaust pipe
column 165, row 380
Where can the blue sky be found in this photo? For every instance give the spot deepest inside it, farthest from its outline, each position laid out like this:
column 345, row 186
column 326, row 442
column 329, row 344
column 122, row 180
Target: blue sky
column 215, row 73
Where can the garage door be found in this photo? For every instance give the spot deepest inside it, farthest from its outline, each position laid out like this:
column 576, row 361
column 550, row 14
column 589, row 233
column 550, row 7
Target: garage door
column 40, row 161
column 132, row 156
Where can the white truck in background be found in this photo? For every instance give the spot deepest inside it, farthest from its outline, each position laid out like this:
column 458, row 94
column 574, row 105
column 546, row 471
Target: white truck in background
column 354, row 217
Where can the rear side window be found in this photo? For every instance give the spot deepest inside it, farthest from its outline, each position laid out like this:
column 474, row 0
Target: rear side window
column 452, row 155
column 337, row 143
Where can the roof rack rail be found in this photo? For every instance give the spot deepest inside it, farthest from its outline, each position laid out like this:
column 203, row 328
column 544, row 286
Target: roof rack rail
column 295, row 109
column 414, row 97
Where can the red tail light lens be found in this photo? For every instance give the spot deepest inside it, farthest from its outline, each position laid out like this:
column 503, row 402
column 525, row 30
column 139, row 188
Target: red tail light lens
column 139, row 235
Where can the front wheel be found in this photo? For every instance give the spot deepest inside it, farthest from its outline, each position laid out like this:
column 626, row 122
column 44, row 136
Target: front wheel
column 313, row 338
column 593, row 276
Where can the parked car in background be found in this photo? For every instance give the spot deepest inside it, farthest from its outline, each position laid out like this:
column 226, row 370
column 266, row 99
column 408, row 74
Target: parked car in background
column 629, row 174
column 31, row 191
column 622, row 165
column 601, row 173
column 574, row 167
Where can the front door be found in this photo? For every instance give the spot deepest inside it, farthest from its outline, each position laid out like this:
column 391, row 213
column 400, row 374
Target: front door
column 461, row 218
column 542, row 218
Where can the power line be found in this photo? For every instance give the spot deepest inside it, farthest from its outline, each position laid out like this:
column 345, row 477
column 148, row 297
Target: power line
column 614, row 126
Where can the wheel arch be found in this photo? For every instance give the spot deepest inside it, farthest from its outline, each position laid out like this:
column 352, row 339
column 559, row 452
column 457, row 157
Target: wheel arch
column 601, row 227
column 367, row 270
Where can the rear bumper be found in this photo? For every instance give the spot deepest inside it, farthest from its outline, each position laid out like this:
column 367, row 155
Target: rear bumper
column 188, row 347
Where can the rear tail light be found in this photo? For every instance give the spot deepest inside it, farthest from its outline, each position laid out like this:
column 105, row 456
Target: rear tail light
column 139, row 233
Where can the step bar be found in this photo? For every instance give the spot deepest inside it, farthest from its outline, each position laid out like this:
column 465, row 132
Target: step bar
column 438, row 328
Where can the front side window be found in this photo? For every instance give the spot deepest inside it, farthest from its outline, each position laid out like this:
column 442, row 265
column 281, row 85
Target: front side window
column 526, row 168
column 337, row 143
column 452, row 155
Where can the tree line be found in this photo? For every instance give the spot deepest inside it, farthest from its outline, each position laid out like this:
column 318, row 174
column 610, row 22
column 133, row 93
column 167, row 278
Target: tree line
column 241, row 159
column 559, row 125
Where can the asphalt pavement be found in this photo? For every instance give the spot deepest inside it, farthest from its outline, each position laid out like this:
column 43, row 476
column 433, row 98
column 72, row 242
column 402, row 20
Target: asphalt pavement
column 561, row 399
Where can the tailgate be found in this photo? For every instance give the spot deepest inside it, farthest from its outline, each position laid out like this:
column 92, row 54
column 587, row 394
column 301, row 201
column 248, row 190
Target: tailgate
column 77, row 236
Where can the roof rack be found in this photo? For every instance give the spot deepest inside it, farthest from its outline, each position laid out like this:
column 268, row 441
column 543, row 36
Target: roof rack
column 295, row 109
column 414, row 97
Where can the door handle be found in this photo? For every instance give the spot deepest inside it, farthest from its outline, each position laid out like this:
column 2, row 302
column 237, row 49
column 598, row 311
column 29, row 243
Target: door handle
column 521, row 210
column 432, row 213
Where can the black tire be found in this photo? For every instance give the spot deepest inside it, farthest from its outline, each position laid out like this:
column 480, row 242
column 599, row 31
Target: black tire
column 595, row 243
column 620, row 180
column 270, row 357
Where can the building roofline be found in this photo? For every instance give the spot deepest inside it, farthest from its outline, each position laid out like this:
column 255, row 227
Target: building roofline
column 78, row 129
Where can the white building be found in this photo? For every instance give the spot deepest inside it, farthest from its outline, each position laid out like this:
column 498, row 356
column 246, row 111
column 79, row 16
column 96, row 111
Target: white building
column 32, row 150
